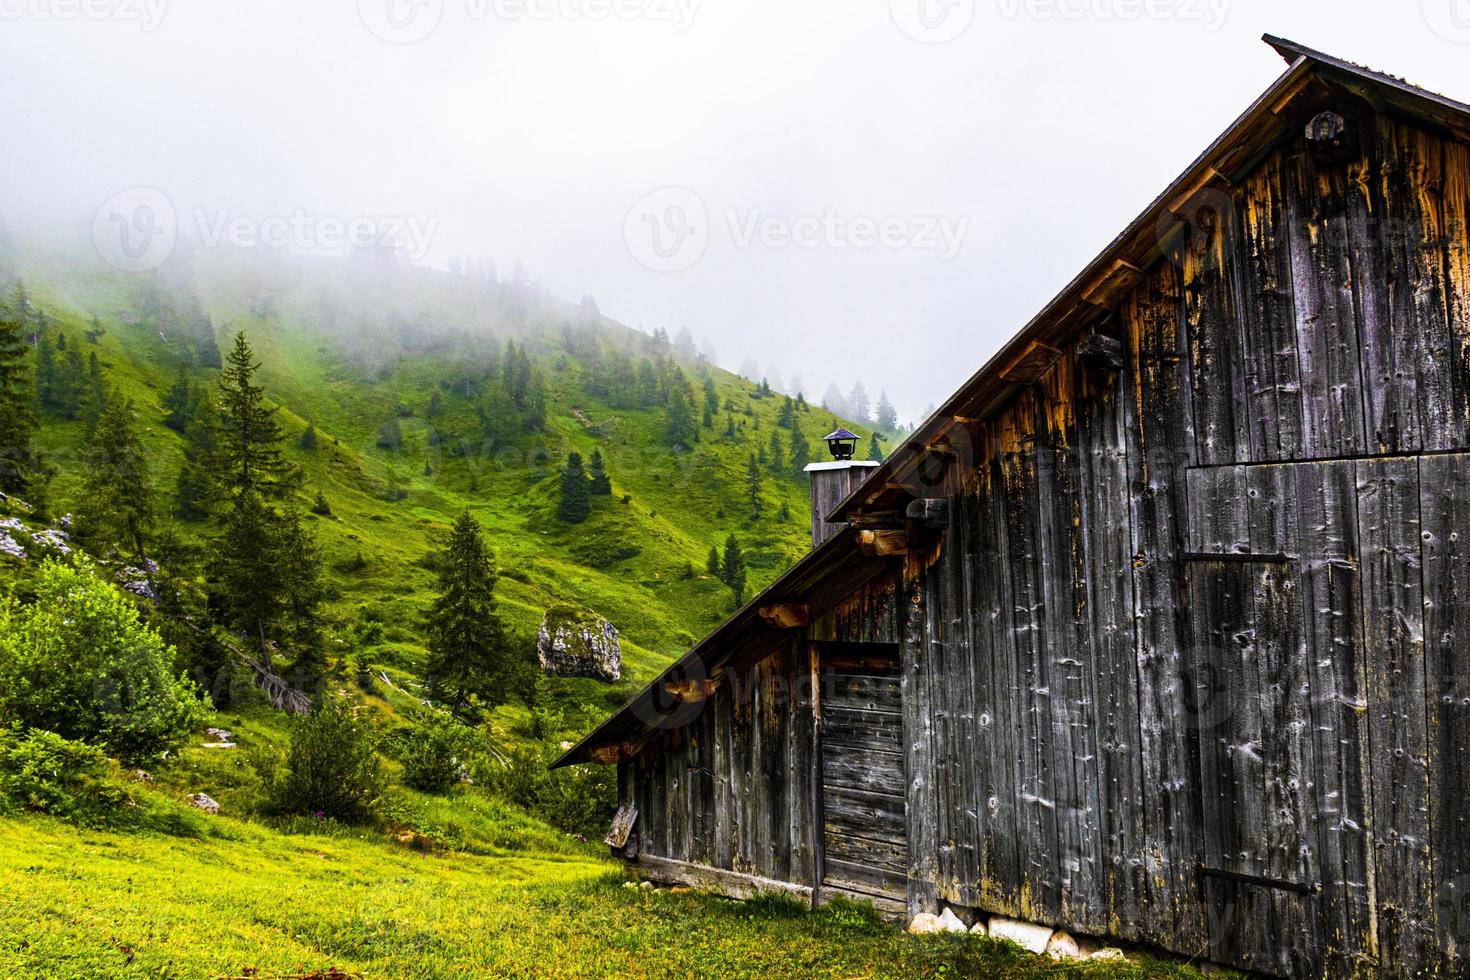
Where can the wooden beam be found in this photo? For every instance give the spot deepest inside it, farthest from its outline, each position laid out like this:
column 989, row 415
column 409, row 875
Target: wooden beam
column 666, row 871
column 1112, row 287
column 787, row 616
column 691, row 690
column 1031, row 365
column 931, row 513
column 883, row 544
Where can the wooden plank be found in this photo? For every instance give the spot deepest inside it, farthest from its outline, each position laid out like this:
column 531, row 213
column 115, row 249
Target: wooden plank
column 887, row 855
column 871, row 692
column 1158, row 450
column 1268, row 318
column 1067, row 648
column 723, row 840
column 1445, row 503
column 920, row 818
column 995, row 754
column 862, row 876
column 1219, row 510
column 1393, row 623
column 1322, row 277
column 731, row 883
column 1326, row 535
column 1456, row 202
column 1107, row 538
column 1037, row 803
column 1212, row 324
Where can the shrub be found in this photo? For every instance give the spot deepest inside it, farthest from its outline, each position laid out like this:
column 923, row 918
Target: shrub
column 437, row 754
column 79, row 662
column 578, row 800
column 45, row 773
column 331, row 769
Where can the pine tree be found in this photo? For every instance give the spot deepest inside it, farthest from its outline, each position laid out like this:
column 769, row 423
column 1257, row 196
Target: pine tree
column 469, row 655
column 679, row 419
column 116, row 509
column 19, row 467
column 709, row 418
column 600, row 484
column 178, row 402
column 711, row 396
column 712, row 563
column 730, row 427
column 196, row 488
column 732, row 569
column 298, row 567
column 46, row 373
column 308, row 438
column 875, row 449
column 576, row 502
column 436, row 405
column 753, row 487
column 801, row 452
column 778, row 453
column 786, row 418
column 887, row 417
column 92, row 398
column 390, row 435
column 785, row 515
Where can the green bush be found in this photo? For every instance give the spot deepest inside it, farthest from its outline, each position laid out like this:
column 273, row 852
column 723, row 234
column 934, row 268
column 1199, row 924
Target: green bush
column 578, row 800
column 79, row 662
column 45, row 773
column 331, row 769
column 437, row 753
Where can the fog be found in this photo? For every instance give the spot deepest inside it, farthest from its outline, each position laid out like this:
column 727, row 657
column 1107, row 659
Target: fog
column 844, row 190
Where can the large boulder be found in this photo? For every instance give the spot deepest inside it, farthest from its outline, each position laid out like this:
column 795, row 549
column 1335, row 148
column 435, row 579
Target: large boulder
column 577, row 644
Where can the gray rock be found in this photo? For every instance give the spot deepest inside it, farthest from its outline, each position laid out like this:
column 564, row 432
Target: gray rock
column 201, row 802
column 574, row 644
column 1029, row 936
column 950, row 922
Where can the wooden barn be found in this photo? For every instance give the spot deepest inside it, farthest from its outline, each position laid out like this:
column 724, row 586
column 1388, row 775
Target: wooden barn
column 1160, row 628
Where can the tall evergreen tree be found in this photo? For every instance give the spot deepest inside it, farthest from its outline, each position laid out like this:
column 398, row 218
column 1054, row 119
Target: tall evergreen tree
column 576, row 495
column 19, row 467
column 196, row 487
column 801, row 452
column 778, row 453
column 732, row 568
column 753, row 487
column 308, row 438
column 600, row 485
column 116, row 509
column 887, row 416
column 250, row 435
column 679, row 419
column 298, row 566
column 711, row 396
column 712, row 563
column 178, row 401
column 875, row 449
column 469, row 655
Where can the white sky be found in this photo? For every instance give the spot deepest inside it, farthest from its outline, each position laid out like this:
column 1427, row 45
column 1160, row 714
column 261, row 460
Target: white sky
column 529, row 129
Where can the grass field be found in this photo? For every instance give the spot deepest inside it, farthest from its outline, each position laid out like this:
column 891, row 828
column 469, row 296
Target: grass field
column 78, row 903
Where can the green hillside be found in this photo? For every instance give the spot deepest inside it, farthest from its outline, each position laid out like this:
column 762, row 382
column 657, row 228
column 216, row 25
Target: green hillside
column 348, row 345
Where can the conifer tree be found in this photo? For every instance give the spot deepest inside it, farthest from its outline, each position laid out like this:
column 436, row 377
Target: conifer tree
column 178, row 401
column 679, row 419
column 599, row 485
column 576, row 502
column 887, row 415
column 786, row 418
column 875, row 449
column 801, row 452
column 712, row 563
column 308, row 438
column 196, row 487
column 711, row 396
column 732, row 569
column 753, row 486
column 469, row 655
column 298, row 568
column 250, row 435
column 116, row 509
column 778, row 453
column 19, row 467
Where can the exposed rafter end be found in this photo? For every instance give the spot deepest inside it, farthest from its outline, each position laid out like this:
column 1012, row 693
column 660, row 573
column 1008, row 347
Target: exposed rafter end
column 883, row 544
column 787, row 616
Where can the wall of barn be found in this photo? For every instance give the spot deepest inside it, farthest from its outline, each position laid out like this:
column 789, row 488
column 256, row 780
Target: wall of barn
column 1209, row 612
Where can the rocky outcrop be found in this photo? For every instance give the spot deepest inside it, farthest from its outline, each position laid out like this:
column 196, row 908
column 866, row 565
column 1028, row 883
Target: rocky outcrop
column 575, row 644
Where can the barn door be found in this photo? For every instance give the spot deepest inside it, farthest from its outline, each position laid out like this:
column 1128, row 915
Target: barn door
column 865, row 846
column 1254, row 724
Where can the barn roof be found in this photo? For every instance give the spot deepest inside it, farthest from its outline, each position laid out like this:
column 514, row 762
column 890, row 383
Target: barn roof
column 837, row 568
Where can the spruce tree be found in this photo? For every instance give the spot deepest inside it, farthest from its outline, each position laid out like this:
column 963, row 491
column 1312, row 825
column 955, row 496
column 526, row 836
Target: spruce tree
column 298, row 568
column 116, row 509
column 250, row 436
column 19, row 468
column 875, row 449
column 887, row 415
column 801, row 452
column 711, row 396
column 732, row 569
column 178, row 401
column 576, row 497
column 308, row 438
column 679, row 419
column 712, row 563
column 196, row 487
column 469, row 655
column 600, row 484
column 778, row 453
column 753, row 487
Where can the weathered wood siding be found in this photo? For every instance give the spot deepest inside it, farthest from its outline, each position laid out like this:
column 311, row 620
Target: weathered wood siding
column 1189, row 664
